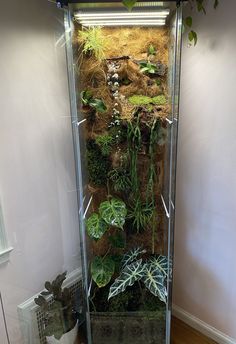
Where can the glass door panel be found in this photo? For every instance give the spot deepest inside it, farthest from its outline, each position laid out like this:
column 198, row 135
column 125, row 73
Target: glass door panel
column 123, row 74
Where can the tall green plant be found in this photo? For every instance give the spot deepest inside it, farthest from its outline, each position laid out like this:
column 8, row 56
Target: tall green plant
column 134, row 145
column 93, row 41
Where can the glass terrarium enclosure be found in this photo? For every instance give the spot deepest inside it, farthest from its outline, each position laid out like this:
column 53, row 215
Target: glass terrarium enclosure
column 124, row 85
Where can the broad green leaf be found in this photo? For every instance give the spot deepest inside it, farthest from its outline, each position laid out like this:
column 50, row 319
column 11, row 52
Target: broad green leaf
column 132, row 255
column 113, row 212
column 85, row 97
column 192, row 36
column 129, row 275
column 160, row 263
column 102, row 270
column 98, row 104
column 155, row 282
column 189, row 21
column 129, row 4
column 96, row 226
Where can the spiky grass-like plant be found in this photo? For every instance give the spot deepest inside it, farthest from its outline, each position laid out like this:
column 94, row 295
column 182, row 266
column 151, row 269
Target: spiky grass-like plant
column 105, row 142
column 93, row 41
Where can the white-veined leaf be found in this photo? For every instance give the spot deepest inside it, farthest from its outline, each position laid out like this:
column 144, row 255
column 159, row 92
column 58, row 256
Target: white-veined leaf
column 113, row 212
column 132, row 255
column 160, row 263
column 129, row 275
column 96, row 226
column 155, row 282
column 102, row 270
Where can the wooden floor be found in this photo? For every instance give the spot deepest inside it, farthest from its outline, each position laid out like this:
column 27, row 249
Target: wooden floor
column 183, row 334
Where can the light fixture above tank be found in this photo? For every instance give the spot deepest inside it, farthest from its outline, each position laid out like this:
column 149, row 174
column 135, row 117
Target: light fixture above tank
column 122, row 18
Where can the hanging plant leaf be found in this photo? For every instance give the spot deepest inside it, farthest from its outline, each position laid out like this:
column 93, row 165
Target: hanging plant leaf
column 113, row 212
column 131, row 273
column 155, row 282
column 102, row 270
column 96, row 226
column 216, row 3
column 189, row 21
column 192, row 36
column 160, row 263
column 132, row 255
column 200, row 6
column 129, row 4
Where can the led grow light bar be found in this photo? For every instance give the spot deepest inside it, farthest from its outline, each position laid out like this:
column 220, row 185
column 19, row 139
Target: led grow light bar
column 124, row 23
column 136, row 18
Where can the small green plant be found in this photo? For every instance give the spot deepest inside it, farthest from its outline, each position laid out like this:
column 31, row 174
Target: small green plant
column 93, row 41
column 152, row 50
column 148, row 67
column 152, row 273
column 105, row 142
column 144, row 100
column 140, row 214
column 57, row 306
column 98, row 165
column 120, row 179
column 88, row 100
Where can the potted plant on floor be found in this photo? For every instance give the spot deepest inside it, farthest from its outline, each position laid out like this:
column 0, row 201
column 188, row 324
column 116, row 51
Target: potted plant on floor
column 59, row 315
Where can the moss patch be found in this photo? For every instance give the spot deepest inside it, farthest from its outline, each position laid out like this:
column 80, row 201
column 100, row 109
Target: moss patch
column 144, row 100
column 98, row 165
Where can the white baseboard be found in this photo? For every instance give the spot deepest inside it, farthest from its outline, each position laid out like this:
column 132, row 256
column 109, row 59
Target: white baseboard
column 201, row 326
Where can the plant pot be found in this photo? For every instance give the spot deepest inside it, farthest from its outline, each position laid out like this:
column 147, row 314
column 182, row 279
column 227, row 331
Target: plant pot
column 128, row 328
column 67, row 338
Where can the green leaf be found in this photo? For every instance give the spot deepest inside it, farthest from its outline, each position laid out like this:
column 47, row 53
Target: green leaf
column 113, row 212
column 151, row 50
column 98, row 104
column 129, row 4
column 85, row 97
column 102, row 270
column 96, row 226
column 161, row 263
column 131, row 274
column 200, row 6
column 192, row 36
column 189, row 21
column 216, row 3
column 117, row 240
column 155, row 282
column 132, row 255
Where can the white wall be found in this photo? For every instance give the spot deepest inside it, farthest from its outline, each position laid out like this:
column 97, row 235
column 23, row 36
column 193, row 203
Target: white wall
column 37, row 181
column 205, row 269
